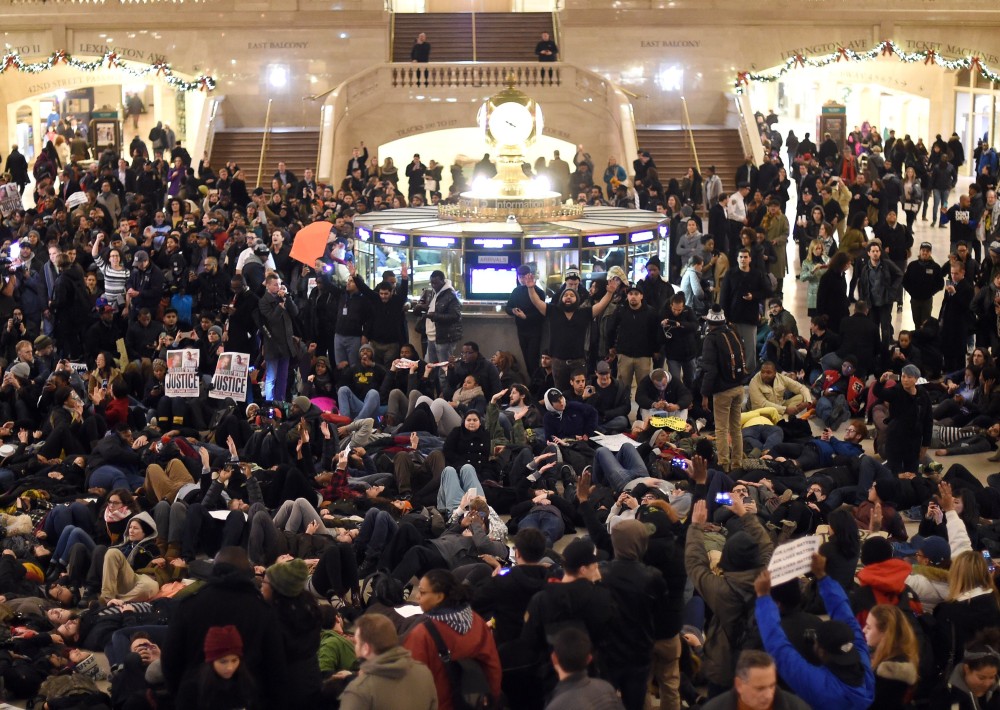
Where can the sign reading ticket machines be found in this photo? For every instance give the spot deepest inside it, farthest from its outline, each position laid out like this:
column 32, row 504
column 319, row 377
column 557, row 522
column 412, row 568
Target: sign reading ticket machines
column 793, row 559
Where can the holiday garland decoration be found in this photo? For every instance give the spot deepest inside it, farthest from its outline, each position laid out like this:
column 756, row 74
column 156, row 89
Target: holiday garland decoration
column 886, row 48
column 13, row 60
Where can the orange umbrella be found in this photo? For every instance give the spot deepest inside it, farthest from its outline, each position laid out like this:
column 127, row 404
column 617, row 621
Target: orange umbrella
column 310, row 242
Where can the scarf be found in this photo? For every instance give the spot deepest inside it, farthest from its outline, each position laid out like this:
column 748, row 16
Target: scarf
column 116, row 515
column 464, row 396
column 459, row 620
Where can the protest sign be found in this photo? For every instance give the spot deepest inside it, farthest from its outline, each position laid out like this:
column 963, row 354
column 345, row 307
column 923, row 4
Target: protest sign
column 10, row 199
column 230, row 378
column 182, row 373
column 792, row 559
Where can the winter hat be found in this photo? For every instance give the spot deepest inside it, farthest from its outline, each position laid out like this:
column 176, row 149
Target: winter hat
column 654, row 261
column 549, row 394
column 936, row 549
column 21, row 369
column 217, row 330
column 302, row 402
column 875, row 550
column 715, row 315
column 91, row 668
column 288, row 578
column 222, row 641
column 619, row 273
column 739, row 553
column 367, row 347
column 42, row 342
column 911, row 370
column 629, row 538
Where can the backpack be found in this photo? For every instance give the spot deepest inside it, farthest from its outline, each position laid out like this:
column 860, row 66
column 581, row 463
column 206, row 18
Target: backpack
column 737, row 356
column 470, row 690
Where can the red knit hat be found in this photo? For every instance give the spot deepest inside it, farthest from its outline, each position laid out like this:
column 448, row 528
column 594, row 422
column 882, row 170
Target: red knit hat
column 221, row 641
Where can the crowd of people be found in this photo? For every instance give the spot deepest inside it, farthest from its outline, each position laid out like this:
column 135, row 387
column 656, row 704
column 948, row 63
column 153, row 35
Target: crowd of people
column 391, row 523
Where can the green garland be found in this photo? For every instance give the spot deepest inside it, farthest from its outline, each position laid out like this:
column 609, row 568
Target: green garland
column 884, row 48
column 13, row 60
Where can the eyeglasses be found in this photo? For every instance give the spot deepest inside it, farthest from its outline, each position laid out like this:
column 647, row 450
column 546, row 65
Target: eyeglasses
column 115, row 503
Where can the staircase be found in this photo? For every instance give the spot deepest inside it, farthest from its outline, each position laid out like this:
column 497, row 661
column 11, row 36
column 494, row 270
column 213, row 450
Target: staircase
column 500, row 36
column 671, row 151
column 297, row 147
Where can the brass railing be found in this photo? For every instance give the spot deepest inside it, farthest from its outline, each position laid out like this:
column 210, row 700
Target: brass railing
column 263, row 142
column 687, row 126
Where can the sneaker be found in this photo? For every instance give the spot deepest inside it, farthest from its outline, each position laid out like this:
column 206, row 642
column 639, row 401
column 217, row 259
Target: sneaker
column 700, row 423
column 587, row 471
column 568, row 474
column 534, row 476
column 914, row 514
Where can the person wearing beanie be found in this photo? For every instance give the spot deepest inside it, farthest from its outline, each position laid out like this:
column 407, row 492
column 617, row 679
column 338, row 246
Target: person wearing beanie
column 727, row 363
column 299, row 619
column 911, row 425
column 223, row 680
column 359, row 396
column 844, row 677
column 727, row 594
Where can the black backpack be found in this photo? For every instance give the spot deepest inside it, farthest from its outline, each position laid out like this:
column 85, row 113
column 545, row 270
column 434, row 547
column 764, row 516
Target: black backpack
column 744, row 634
column 470, row 690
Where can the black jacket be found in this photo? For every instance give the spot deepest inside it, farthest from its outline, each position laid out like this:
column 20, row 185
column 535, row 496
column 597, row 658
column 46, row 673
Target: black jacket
column 534, row 320
column 638, row 591
column 680, row 334
column 577, row 604
column 922, row 279
column 386, row 321
column 506, row 597
column 675, row 393
column 636, row 333
column 447, row 316
column 227, row 599
column 859, row 336
column 737, row 284
column 723, row 361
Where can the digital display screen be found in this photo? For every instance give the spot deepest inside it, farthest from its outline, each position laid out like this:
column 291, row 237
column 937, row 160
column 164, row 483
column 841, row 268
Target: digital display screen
column 486, row 281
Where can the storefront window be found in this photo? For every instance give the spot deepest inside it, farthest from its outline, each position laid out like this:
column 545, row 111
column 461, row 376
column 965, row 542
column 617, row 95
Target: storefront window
column 551, row 265
column 427, row 260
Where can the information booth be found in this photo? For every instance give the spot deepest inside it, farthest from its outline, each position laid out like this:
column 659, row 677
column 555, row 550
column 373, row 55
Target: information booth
column 491, row 267
column 435, row 253
column 551, row 257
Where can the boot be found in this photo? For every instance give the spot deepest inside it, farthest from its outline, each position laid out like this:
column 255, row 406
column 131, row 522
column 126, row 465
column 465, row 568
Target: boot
column 172, row 552
column 161, row 545
column 55, row 569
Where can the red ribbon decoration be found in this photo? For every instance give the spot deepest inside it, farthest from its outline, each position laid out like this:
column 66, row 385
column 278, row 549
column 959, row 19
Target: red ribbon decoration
column 931, row 56
column 842, row 54
column 59, row 56
column 160, row 69
column 799, row 61
column 203, row 83
column 112, row 59
column 886, row 48
column 743, row 78
column 974, row 64
column 8, row 62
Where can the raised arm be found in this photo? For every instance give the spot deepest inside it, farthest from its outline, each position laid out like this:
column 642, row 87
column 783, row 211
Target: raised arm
column 538, row 303
column 613, row 284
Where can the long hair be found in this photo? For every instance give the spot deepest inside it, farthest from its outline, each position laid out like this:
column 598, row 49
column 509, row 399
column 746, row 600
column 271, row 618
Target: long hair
column 211, row 688
column 846, row 537
column 968, row 572
column 898, row 637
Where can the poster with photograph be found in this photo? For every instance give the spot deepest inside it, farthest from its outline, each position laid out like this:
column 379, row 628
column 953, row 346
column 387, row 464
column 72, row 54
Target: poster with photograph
column 182, row 373
column 10, row 199
column 230, row 378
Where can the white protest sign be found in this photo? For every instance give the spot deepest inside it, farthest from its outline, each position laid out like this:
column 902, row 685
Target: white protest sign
column 10, row 199
column 793, row 559
column 182, row 373
column 230, row 378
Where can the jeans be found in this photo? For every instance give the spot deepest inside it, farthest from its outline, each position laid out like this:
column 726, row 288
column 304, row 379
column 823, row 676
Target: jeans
column 726, row 408
column 276, row 379
column 439, row 351
column 112, row 477
column 63, row 516
column 832, row 409
column 549, row 524
column 682, row 370
column 882, row 315
column 615, row 425
column 121, row 641
column 869, row 472
column 345, row 349
column 350, row 406
column 69, row 537
column 748, row 336
column 454, row 484
column 763, row 436
column 617, row 469
column 377, row 530
column 940, row 202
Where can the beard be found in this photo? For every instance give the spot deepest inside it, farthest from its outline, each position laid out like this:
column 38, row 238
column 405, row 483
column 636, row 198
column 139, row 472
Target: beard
column 570, row 305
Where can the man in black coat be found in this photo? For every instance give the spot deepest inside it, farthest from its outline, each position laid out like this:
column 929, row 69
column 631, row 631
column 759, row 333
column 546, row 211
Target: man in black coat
column 17, row 166
column 228, row 597
column 528, row 321
column 859, row 336
column 276, row 312
column 956, row 317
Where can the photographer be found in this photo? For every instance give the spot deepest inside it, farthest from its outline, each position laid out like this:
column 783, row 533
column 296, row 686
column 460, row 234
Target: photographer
column 15, row 331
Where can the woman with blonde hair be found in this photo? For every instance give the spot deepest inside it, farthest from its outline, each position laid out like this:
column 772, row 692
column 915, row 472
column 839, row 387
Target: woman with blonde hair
column 813, row 268
column 895, row 656
column 973, row 603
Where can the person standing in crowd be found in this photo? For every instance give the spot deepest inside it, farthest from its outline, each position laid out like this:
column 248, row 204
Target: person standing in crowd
column 421, row 51
column 725, row 373
column 528, row 321
column 879, row 284
column 442, row 322
column 277, row 309
column 635, row 338
column 546, row 49
column 922, row 279
column 743, row 293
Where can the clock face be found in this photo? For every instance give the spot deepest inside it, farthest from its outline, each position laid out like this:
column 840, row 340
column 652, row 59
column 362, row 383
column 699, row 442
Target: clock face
column 511, row 123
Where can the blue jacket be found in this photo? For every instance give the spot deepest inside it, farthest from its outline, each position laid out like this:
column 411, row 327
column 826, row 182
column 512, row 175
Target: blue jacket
column 817, row 685
column 577, row 419
column 834, row 447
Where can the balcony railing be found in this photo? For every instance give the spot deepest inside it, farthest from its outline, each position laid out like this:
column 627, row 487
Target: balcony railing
column 472, row 75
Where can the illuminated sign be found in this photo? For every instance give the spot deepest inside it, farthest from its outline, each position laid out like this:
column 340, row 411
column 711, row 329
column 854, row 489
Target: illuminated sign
column 551, row 242
column 642, row 236
column 440, row 242
column 390, row 238
column 604, row 240
column 493, row 243
column 364, row 234
column 493, row 259
column 663, row 230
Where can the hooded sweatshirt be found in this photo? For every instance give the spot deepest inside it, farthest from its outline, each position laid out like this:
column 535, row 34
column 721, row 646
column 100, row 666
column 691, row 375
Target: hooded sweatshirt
column 391, row 679
column 575, row 420
column 886, row 580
